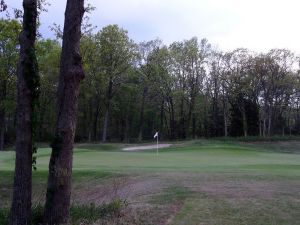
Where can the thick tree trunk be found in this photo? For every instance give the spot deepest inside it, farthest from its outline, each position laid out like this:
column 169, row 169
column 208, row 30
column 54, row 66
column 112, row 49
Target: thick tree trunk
column 71, row 73
column 27, row 94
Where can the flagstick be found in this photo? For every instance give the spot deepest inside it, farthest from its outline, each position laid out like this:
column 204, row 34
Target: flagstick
column 157, row 145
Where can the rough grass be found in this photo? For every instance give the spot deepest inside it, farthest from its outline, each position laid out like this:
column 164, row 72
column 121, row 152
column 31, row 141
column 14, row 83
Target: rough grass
column 80, row 214
column 198, row 182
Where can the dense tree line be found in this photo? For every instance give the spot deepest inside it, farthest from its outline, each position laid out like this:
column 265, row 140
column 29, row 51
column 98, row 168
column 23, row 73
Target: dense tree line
column 187, row 89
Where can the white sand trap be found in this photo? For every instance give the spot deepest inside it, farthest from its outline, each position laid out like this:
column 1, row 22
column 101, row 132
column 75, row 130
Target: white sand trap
column 146, row 147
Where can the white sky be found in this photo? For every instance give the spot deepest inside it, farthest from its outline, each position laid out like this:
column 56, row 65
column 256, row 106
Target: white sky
column 255, row 24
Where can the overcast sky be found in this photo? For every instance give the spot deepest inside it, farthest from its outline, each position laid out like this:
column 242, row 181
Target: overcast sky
column 255, row 24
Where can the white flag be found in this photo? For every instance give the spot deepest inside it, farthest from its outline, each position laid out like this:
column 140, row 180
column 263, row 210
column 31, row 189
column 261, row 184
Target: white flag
column 155, row 135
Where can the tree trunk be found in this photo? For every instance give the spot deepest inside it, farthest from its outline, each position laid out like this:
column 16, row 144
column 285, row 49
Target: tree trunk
column 95, row 123
column 161, row 123
column 190, row 115
column 172, row 119
column 264, row 127
column 3, row 88
column 225, row 117
column 245, row 125
column 194, row 126
column 260, row 127
column 105, row 124
column 71, row 73
column 2, row 129
column 182, row 131
column 107, row 113
column 28, row 81
column 269, row 122
column 141, row 123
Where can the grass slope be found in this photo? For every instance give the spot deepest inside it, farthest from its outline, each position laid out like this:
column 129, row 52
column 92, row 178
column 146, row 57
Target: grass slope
column 199, row 182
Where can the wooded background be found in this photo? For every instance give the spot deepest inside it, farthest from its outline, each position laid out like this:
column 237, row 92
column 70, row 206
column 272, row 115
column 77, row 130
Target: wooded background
column 188, row 89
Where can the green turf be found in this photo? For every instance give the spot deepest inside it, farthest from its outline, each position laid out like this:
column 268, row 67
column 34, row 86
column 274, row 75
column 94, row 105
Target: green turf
column 195, row 157
column 236, row 172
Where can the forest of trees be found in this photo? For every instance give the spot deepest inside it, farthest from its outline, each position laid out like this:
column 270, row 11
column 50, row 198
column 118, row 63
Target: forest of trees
column 188, row 89
column 103, row 86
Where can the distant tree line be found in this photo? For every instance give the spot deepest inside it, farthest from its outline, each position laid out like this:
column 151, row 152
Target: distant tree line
column 188, row 89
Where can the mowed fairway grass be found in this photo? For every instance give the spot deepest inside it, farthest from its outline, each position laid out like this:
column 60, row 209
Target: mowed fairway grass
column 197, row 182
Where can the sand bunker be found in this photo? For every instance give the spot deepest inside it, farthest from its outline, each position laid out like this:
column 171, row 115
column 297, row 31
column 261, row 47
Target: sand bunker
column 146, row 147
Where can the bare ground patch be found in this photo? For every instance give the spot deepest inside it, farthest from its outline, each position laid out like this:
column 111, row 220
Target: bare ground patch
column 241, row 194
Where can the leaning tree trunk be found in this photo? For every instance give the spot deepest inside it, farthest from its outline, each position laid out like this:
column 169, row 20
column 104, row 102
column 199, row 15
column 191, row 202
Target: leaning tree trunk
column 28, row 82
column 57, row 208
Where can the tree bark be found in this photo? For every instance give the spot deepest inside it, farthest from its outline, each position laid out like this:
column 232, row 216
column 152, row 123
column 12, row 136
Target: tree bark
column 95, row 123
column 2, row 129
column 105, row 124
column 71, row 73
column 141, row 123
column 245, row 125
column 172, row 118
column 161, row 123
column 27, row 95
column 182, row 131
column 225, row 115
column 269, row 121
column 3, row 87
column 107, row 113
column 190, row 114
column 194, row 126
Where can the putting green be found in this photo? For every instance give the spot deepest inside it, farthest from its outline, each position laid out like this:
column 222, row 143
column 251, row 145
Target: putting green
column 203, row 156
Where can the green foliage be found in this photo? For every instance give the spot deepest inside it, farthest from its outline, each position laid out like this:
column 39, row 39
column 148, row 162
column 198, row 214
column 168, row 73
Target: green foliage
column 79, row 213
column 4, row 215
column 186, row 89
column 9, row 30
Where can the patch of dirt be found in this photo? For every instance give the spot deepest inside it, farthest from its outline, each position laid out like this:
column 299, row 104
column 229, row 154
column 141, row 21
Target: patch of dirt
column 134, row 189
column 140, row 189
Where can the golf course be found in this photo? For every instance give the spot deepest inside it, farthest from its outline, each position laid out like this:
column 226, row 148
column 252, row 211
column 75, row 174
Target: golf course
column 209, row 182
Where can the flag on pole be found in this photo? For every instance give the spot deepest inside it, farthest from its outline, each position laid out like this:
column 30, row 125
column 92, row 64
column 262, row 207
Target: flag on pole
column 156, row 136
